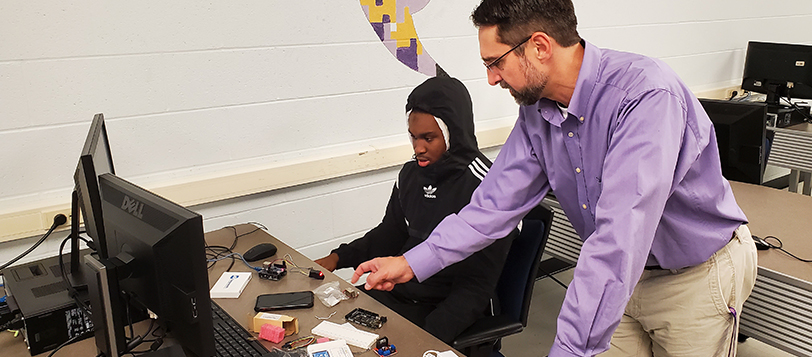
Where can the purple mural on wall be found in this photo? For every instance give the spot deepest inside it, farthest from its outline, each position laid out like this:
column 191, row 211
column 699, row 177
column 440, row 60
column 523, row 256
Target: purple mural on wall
column 392, row 22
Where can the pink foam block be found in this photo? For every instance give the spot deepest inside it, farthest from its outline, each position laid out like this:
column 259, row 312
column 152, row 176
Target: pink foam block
column 272, row 333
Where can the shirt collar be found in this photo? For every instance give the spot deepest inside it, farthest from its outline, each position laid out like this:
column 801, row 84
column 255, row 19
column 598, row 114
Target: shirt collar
column 587, row 77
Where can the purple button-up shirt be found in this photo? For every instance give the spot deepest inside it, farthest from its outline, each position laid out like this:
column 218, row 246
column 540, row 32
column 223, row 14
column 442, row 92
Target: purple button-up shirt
column 635, row 166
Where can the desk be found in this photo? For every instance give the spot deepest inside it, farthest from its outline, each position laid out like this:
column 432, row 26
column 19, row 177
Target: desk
column 779, row 311
column 409, row 339
column 792, row 149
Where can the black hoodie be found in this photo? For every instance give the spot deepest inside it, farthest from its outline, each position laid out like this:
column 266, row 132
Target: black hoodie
column 421, row 198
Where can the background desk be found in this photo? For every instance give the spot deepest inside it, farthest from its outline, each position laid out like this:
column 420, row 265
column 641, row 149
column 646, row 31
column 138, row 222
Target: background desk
column 409, row 339
column 779, row 311
column 792, row 149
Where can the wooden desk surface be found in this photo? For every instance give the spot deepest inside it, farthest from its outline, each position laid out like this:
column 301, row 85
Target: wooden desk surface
column 782, row 214
column 409, row 339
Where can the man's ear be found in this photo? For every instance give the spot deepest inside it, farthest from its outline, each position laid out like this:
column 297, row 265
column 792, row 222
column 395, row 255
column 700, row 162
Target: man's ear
column 541, row 46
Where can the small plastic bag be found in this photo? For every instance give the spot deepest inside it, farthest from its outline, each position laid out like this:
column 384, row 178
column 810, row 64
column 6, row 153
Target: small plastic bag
column 330, row 294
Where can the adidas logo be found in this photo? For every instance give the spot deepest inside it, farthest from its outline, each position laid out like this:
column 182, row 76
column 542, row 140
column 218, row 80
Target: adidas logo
column 429, row 191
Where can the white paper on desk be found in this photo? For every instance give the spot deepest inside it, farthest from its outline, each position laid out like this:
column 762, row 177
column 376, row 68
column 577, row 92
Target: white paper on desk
column 230, row 285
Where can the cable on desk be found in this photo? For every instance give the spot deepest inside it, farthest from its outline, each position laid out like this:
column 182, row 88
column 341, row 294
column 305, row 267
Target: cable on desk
column 780, row 246
column 236, row 255
column 217, row 251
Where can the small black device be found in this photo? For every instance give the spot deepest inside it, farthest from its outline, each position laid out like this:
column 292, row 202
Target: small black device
column 279, row 301
column 365, row 318
column 259, row 251
column 316, row 274
column 273, row 271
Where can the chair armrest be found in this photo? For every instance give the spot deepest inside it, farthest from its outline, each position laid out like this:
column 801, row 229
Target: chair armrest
column 487, row 329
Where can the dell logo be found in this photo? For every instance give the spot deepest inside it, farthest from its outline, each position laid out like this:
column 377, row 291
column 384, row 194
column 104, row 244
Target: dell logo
column 134, row 207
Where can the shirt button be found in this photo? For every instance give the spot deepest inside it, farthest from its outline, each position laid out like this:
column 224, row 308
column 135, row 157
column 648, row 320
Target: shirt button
column 581, row 119
column 583, row 206
column 570, row 134
column 578, row 170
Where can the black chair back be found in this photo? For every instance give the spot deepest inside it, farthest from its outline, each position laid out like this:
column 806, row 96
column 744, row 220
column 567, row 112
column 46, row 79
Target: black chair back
column 515, row 287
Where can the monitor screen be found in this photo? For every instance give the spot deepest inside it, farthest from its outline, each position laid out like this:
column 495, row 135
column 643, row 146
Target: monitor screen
column 778, row 70
column 741, row 135
column 94, row 160
column 163, row 250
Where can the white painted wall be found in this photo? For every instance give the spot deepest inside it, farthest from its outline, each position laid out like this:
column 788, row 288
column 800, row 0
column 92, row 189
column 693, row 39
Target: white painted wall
column 193, row 90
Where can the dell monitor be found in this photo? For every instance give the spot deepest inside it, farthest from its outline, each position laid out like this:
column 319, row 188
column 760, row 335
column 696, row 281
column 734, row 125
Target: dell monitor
column 158, row 250
column 778, row 70
column 741, row 135
column 94, row 161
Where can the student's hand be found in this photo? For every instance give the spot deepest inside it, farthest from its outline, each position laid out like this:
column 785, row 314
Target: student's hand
column 329, row 262
column 386, row 272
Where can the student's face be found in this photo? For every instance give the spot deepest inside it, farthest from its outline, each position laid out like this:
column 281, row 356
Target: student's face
column 427, row 139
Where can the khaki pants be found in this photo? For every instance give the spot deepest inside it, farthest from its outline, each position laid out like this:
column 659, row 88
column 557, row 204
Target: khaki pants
column 690, row 311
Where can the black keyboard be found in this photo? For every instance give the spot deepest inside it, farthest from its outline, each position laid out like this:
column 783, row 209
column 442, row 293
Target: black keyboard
column 231, row 339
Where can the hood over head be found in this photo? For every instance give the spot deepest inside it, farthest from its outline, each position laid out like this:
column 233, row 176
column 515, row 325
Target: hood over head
column 447, row 98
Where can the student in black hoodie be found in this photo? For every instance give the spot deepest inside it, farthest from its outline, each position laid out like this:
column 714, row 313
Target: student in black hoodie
column 446, row 168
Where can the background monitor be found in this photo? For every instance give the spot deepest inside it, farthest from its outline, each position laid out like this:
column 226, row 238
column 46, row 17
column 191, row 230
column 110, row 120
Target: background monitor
column 94, row 160
column 778, row 70
column 741, row 135
column 161, row 251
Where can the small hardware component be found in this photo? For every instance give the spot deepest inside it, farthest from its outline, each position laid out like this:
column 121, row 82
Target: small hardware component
column 365, row 318
column 351, row 293
column 316, row 274
column 383, row 348
column 273, row 271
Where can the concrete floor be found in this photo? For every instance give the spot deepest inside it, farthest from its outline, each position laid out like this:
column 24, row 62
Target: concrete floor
column 537, row 337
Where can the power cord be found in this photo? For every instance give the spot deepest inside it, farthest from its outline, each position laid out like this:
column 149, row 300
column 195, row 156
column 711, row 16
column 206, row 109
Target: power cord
column 59, row 220
column 779, row 246
column 214, row 252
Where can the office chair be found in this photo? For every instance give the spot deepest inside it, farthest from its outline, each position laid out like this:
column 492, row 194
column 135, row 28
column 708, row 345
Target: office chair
column 514, row 289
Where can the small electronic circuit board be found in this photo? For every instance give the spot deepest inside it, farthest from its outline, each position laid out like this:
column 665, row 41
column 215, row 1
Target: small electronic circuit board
column 365, row 318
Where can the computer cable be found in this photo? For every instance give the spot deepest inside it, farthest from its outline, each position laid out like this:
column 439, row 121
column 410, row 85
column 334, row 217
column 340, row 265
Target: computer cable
column 71, row 289
column 797, row 109
column 71, row 340
column 309, row 272
column 59, row 220
column 238, row 255
column 780, row 246
column 218, row 251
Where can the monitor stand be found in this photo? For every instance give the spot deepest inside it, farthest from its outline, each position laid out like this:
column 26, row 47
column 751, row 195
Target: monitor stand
column 76, row 275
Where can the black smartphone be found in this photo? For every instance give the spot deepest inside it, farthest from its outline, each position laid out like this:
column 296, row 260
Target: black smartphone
column 279, row 301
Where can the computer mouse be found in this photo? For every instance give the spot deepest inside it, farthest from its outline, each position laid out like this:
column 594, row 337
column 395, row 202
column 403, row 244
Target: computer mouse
column 259, row 251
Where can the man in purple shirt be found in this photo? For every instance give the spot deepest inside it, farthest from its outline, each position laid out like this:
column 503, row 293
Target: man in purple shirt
column 667, row 261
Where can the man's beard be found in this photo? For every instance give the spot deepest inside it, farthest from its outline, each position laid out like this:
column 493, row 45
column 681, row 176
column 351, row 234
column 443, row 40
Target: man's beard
column 536, row 82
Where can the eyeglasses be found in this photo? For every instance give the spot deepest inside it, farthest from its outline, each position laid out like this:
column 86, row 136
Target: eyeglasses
column 494, row 62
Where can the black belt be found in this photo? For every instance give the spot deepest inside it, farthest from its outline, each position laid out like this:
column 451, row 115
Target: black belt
column 657, row 267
